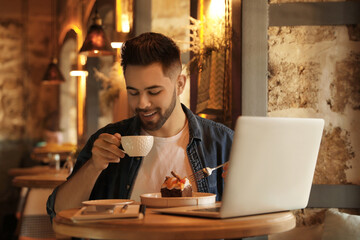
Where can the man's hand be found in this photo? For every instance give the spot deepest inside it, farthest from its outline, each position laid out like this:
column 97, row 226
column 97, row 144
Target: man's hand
column 106, row 150
column 225, row 171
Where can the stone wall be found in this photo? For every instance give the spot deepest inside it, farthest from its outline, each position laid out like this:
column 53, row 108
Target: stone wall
column 26, row 48
column 174, row 22
column 12, row 107
column 314, row 71
column 25, row 105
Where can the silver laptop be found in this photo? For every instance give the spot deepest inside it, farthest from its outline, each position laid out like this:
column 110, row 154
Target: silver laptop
column 272, row 164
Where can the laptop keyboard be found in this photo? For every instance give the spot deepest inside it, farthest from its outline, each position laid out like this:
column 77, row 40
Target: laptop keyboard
column 213, row 209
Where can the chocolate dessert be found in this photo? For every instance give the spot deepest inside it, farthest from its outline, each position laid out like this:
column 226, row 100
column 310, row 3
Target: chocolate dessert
column 176, row 187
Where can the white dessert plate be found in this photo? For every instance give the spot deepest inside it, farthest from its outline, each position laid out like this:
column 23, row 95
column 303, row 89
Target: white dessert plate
column 106, row 204
column 155, row 200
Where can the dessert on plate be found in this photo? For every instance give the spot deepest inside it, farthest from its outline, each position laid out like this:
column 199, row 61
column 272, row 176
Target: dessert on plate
column 176, row 187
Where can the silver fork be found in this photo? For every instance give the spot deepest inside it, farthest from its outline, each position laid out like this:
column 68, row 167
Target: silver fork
column 203, row 173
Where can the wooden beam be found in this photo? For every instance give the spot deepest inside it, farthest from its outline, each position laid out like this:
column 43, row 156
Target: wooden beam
column 236, row 61
column 254, row 57
column 142, row 21
column 92, row 106
column 334, row 196
column 193, row 74
column 315, row 13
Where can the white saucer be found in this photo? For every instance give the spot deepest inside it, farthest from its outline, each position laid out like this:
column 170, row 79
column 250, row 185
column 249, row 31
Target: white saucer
column 106, row 204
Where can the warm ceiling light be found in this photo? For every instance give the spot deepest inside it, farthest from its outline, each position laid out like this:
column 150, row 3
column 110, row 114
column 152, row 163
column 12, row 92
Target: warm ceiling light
column 96, row 43
column 82, row 59
column 217, row 9
column 123, row 22
column 53, row 74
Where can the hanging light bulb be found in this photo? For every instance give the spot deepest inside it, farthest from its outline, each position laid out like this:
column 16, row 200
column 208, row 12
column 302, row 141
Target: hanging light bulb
column 96, row 43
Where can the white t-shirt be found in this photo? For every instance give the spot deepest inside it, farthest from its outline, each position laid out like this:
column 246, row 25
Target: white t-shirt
column 167, row 154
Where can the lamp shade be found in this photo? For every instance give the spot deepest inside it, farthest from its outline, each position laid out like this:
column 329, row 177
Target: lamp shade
column 96, row 44
column 53, row 74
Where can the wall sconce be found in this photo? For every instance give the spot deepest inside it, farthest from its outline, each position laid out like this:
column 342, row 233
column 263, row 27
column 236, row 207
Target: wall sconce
column 213, row 61
column 96, row 43
column 216, row 17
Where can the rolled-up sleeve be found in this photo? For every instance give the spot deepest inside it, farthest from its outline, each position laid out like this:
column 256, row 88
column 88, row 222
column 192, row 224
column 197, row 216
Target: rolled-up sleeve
column 50, row 204
column 84, row 155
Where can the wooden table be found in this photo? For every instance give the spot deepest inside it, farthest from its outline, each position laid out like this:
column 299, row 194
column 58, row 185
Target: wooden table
column 47, row 180
column 33, row 187
column 31, row 171
column 159, row 226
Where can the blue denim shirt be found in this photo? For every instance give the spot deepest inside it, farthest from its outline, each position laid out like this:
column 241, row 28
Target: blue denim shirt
column 209, row 146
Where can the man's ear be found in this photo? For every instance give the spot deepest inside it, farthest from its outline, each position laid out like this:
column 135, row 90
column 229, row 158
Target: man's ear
column 180, row 84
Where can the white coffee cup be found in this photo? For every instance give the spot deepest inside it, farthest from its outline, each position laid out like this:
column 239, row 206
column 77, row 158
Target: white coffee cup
column 137, row 146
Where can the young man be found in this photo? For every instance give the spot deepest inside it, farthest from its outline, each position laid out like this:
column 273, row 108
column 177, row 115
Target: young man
column 184, row 142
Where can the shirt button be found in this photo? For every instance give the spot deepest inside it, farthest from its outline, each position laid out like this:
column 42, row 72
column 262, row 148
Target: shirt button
column 128, row 187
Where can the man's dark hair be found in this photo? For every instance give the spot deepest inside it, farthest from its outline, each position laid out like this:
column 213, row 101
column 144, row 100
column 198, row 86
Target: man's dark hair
column 149, row 48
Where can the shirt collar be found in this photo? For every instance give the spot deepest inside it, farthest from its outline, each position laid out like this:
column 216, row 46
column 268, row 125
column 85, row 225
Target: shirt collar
column 194, row 126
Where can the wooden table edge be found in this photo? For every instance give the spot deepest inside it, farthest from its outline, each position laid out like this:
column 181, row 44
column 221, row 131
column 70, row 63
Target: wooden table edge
column 39, row 180
column 226, row 228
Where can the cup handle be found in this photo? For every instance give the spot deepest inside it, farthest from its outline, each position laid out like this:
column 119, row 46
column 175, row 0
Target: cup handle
column 124, row 151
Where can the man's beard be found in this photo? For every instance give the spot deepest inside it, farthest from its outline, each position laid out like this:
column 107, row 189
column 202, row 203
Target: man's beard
column 153, row 126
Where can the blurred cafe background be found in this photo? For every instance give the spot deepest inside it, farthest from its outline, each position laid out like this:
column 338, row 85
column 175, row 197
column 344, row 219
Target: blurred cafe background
column 241, row 57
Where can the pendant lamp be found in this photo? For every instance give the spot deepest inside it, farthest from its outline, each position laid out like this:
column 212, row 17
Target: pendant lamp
column 96, row 44
column 52, row 74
